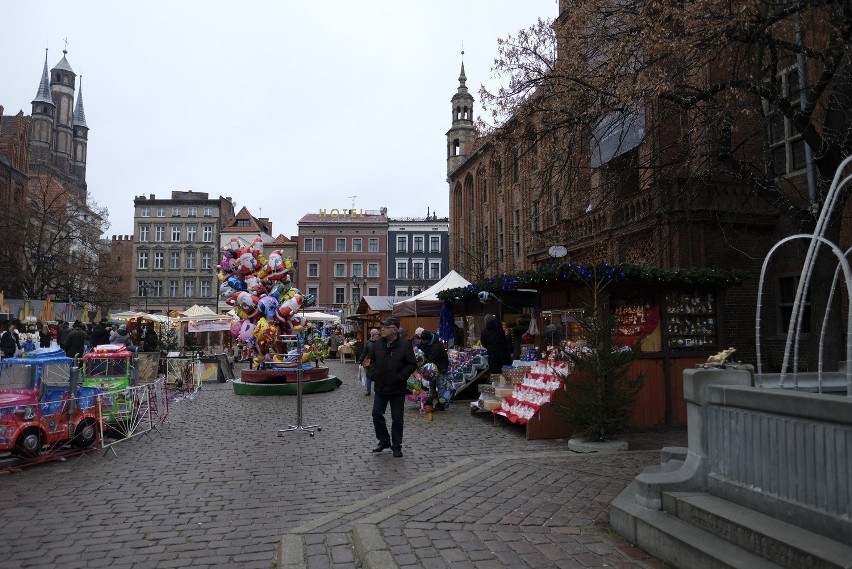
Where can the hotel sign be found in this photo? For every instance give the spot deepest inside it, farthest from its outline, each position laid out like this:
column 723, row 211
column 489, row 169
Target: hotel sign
column 334, row 212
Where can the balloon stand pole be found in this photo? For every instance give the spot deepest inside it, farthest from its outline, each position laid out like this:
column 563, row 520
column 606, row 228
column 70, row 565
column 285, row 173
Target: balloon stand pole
column 299, row 373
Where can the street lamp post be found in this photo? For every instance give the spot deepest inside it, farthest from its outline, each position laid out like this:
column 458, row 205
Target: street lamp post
column 143, row 288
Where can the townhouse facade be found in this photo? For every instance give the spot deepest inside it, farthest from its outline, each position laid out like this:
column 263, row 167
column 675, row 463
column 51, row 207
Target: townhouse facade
column 176, row 250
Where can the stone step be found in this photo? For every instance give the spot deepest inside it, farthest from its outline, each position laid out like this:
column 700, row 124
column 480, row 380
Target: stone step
column 779, row 542
column 675, row 542
column 673, row 453
column 668, row 466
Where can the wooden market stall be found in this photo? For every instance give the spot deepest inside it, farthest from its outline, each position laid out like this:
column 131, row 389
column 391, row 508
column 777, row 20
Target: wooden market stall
column 674, row 319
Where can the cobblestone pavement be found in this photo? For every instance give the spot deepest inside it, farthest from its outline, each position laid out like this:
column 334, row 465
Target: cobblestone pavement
column 217, row 487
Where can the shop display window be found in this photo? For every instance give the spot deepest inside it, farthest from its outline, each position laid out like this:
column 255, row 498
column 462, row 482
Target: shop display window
column 635, row 322
column 691, row 321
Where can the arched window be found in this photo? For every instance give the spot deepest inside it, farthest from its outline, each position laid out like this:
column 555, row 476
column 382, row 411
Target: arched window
column 497, row 173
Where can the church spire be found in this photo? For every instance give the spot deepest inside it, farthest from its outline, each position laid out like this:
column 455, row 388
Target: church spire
column 43, row 95
column 462, row 133
column 79, row 113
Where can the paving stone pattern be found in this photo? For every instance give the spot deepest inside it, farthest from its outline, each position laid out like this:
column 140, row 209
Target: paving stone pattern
column 217, row 487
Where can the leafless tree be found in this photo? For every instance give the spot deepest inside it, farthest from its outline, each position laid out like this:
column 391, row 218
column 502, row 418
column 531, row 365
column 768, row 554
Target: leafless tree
column 747, row 94
column 51, row 243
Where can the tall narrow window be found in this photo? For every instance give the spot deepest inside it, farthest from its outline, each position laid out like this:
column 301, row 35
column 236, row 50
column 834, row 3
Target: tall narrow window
column 786, row 142
column 500, row 240
column 516, row 233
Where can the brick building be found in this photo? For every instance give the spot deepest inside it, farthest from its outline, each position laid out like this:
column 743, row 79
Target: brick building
column 43, row 188
column 508, row 209
column 341, row 255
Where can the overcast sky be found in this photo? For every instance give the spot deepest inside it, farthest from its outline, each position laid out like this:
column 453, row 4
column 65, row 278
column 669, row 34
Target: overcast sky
column 286, row 106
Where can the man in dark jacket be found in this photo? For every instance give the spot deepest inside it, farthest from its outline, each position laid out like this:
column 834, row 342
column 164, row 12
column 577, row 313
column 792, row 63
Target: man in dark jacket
column 9, row 342
column 100, row 333
column 62, row 334
column 75, row 343
column 395, row 362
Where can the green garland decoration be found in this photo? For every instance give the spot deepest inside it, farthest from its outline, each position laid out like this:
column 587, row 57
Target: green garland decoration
column 585, row 273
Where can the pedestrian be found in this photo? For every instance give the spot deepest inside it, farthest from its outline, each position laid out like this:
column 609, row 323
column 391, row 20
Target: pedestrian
column 334, row 343
column 150, row 340
column 44, row 336
column 100, row 333
column 75, row 343
column 368, row 360
column 9, row 342
column 394, row 363
column 434, row 352
column 62, row 334
column 493, row 339
column 122, row 337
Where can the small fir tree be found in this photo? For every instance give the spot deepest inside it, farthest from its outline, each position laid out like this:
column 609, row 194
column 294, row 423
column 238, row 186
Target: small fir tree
column 601, row 391
column 168, row 337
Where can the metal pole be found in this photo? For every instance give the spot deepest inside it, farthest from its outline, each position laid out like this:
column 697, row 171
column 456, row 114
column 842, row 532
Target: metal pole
column 299, row 373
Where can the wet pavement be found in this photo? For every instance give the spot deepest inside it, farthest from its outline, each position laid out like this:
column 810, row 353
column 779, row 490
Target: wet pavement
column 216, row 486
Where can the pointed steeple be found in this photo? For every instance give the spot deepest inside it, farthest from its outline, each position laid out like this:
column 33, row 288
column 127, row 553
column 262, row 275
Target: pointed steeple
column 44, row 95
column 63, row 64
column 462, row 134
column 79, row 113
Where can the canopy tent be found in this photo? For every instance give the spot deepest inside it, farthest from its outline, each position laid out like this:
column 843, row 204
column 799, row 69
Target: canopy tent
column 321, row 316
column 372, row 304
column 196, row 313
column 125, row 315
column 427, row 303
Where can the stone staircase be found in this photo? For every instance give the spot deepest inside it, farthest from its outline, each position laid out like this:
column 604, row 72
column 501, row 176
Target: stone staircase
column 695, row 530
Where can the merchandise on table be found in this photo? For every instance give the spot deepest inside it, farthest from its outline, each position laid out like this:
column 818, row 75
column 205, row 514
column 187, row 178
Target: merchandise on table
column 465, row 365
column 536, row 390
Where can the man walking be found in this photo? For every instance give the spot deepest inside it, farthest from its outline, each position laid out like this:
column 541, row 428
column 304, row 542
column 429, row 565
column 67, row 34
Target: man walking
column 394, row 363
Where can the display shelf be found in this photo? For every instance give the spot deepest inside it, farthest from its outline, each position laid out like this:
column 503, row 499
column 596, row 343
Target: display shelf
column 531, row 402
column 691, row 321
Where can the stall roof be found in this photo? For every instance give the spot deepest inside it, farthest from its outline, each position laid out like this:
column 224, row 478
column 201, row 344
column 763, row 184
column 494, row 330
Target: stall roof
column 375, row 304
column 322, row 316
column 427, row 302
column 196, row 310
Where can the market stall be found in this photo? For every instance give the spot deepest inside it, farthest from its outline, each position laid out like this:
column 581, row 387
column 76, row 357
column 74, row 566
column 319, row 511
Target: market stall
column 669, row 318
column 424, row 310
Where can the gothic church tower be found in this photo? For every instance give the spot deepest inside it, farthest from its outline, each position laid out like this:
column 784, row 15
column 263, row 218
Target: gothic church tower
column 462, row 134
column 58, row 133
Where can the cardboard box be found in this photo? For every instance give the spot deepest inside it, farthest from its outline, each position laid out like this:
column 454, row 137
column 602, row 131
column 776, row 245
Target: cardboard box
column 503, row 391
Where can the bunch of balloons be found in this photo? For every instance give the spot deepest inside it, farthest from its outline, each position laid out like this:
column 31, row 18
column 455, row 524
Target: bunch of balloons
column 261, row 291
